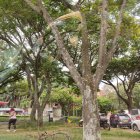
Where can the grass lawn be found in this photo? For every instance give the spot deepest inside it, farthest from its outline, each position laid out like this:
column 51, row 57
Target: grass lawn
column 24, row 132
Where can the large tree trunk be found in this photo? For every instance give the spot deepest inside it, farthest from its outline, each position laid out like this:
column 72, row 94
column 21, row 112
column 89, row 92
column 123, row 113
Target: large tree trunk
column 37, row 117
column 33, row 113
column 37, row 105
column 40, row 116
column 129, row 104
column 128, row 93
column 91, row 128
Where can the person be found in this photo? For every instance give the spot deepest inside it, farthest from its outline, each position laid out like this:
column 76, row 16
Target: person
column 51, row 116
column 12, row 119
column 108, row 116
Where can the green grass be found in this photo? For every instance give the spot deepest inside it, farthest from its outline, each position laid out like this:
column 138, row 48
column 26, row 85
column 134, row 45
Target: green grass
column 72, row 130
column 14, row 137
column 124, row 134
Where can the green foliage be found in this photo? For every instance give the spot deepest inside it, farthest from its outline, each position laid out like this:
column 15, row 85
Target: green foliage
column 50, row 67
column 74, row 119
column 122, row 66
column 16, row 94
column 62, row 96
column 21, row 87
column 105, row 104
column 66, row 98
column 25, row 102
column 136, row 96
column 9, row 62
column 17, row 22
column 77, row 101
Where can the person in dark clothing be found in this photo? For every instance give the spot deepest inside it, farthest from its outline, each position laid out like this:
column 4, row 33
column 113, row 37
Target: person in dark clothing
column 12, row 119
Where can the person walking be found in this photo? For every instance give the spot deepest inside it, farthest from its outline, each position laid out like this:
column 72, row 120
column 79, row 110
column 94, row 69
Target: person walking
column 12, row 120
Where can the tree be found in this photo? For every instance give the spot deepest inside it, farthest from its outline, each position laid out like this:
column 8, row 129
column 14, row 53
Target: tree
column 136, row 96
column 125, row 68
column 64, row 98
column 15, row 92
column 9, row 70
column 24, row 34
column 105, row 104
column 87, row 82
column 126, row 74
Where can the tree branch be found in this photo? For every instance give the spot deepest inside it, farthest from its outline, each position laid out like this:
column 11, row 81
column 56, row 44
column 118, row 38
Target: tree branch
column 66, row 57
column 33, row 6
column 117, row 32
column 102, row 68
column 102, row 44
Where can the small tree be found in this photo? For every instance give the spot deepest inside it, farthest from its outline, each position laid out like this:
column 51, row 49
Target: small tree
column 64, row 97
column 136, row 96
column 126, row 73
column 105, row 104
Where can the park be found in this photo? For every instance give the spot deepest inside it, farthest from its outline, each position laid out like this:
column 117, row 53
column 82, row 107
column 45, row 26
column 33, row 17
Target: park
column 66, row 61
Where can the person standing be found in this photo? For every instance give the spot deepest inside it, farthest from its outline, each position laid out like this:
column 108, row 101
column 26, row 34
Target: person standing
column 12, row 119
column 108, row 116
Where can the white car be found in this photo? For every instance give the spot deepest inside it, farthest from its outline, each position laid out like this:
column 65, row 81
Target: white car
column 135, row 116
column 136, row 125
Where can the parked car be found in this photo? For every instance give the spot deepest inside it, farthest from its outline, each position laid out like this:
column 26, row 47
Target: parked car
column 120, row 120
column 135, row 115
column 136, row 125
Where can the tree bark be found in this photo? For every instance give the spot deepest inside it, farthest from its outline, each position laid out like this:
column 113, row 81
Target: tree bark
column 127, row 99
column 129, row 105
column 91, row 128
column 33, row 113
column 40, row 116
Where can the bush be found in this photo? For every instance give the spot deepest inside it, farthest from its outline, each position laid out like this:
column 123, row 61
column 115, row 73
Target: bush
column 73, row 119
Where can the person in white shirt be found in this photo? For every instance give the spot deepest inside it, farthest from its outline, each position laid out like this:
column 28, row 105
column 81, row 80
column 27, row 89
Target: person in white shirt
column 108, row 116
column 12, row 119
